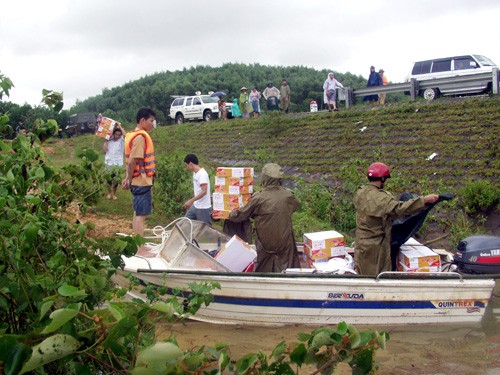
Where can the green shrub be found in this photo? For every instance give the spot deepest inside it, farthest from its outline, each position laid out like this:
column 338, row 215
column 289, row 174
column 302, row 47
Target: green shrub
column 480, row 196
column 173, row 182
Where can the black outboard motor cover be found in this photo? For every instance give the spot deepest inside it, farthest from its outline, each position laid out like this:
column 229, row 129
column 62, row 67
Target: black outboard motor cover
column 478, row 254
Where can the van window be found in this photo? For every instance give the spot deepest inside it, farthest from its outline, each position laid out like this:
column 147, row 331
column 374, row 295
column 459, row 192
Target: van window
column 189, row 101
column 463, row 63
column 422, row 67
column 484, row 61
column 177, row 102
column 197, row 101
column 441, row 66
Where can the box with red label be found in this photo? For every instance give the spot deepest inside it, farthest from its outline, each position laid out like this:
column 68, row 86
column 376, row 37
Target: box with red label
column 403, row 268
column 235, row 198
column 333, row 252
column 226, row 206
column 236, row 254
column 105, row 127
column 234, row 172
column 228, row 189
column 329, row 240
column 234, row 181
column 221, row 214
column 414, row 255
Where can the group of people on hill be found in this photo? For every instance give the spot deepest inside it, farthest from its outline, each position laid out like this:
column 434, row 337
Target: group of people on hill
column 279, row 99
column 249, row 102
column 271, row 208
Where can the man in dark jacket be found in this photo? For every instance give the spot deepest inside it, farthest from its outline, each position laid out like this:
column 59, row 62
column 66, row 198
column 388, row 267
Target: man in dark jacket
column 374, row 79
column 272, row 209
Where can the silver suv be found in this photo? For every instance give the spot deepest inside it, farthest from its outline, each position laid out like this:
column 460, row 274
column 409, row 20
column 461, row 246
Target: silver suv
column 197, row 107
column 448, row 67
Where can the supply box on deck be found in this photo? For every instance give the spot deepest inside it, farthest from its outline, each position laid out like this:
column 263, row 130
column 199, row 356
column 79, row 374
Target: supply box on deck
column 236, row 255
column 324, row 245
column 415, row 257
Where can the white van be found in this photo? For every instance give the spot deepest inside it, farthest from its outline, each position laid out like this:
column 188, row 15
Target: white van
column 452, row 67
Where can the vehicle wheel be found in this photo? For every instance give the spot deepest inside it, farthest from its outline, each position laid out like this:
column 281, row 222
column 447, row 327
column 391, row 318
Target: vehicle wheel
column 179, row 119
column 430, row 94
column 207, row 115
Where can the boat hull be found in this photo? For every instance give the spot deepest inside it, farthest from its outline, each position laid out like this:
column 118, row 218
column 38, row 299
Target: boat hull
column 280, row 299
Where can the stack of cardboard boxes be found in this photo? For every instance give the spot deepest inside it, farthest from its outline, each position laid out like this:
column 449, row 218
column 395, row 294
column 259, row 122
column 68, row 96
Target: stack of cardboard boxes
column 323, row 246
column 415, row 257
column 233, row 188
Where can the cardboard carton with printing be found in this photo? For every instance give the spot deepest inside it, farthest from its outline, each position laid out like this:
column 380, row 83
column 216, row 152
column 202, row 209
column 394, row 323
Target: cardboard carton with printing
column 105, row 127
column 228, row 189
column 234, row 172
column 326, row 240
column 236, row 255
column 414, row 255
column 234, row 181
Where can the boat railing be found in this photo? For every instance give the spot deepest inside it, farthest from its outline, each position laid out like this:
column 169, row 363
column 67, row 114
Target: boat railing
column 390, row 274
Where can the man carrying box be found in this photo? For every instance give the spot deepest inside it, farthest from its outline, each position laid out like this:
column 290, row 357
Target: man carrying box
column 272, row 210
column 198, row 207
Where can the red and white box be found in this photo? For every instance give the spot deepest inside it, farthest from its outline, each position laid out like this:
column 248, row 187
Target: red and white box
column 236, row 254
column 228, row 189
column 105, row 127
column 327, row 240
column 234, row 172
column 413, row 255
column 234, row 181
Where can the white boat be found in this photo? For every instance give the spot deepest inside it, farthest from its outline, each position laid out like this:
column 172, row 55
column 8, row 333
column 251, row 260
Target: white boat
column 306, row 297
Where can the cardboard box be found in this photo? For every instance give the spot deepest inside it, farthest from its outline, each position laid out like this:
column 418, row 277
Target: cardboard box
column 236, row 254
column 226, row 206
column 221, row 214
column 234, row 181
column 414, row 255
column 228, row 189
column 312, row 263
column 235, row 198
column 105, row 127
column 403, row 268
column 324, row 240
column 332, row 252
column 234, row 172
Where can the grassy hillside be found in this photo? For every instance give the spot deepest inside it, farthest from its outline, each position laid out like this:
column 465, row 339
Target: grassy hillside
column 465, row 134
column 334, row 149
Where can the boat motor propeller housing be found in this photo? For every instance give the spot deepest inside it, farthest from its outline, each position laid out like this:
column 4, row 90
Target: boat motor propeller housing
column 478, row 255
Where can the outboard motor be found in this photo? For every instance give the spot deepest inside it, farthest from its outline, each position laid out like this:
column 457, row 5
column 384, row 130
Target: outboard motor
column 478, row 255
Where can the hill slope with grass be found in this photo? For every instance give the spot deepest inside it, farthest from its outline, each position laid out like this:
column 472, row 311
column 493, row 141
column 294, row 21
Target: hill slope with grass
column 333, row 150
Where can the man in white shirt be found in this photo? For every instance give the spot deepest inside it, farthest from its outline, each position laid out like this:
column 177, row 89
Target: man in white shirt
column 198, row 207
column 114, row 150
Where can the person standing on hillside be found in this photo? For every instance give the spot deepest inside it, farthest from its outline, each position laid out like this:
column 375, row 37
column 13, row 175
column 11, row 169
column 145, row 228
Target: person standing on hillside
column 381, row 96
column 141, row 167
column 284, row 96
column 330, row 91
column 375, row 210
column 254, row 100
column 272, row 96
column 199, row 207
column 243, row 102
column 272, row 209
column 374, row 79
column 114, row 149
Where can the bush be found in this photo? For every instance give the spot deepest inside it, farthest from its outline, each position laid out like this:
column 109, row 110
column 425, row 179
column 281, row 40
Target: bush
column 480, row 196
column 174, row 182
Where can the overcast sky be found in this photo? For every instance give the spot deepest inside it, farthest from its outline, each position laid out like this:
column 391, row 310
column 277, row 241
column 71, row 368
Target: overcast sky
column 80, row 47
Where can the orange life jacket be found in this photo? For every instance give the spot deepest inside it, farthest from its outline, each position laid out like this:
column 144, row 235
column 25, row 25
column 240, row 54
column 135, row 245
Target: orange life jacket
column 147, row 164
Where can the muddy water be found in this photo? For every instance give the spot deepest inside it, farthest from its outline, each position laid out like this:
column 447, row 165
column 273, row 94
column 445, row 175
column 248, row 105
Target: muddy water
column 412, row 349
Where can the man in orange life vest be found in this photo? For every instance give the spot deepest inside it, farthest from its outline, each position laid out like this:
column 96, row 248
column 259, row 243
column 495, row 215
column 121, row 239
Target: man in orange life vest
column 141, row 167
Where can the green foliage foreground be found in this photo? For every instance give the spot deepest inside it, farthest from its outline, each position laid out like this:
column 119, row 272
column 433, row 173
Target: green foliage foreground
column 59, row 312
